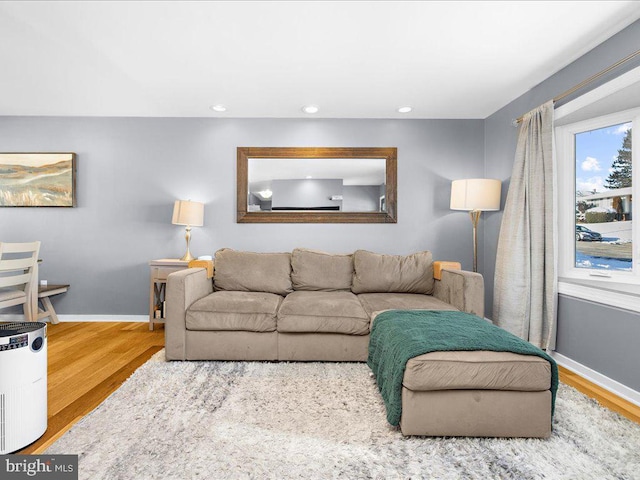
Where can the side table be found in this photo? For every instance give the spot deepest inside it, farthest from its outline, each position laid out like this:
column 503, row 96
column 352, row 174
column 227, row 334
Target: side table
column 160, row 270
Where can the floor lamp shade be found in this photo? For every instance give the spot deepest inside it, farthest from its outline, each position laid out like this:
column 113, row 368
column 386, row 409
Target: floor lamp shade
column 191, row 214
column 475, row 195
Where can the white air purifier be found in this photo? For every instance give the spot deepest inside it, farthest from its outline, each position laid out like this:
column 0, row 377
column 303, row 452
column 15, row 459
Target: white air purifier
column 23, row 384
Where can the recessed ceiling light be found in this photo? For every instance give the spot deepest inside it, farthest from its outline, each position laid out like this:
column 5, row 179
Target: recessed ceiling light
column 308, row 177
column 218, row 108
column 310, row 109
column 406, row 109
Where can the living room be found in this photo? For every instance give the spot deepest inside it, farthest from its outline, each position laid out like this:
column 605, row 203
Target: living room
column 141, row 146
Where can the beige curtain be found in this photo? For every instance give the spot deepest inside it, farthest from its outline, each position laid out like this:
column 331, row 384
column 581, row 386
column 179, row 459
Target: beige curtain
column 525, row 285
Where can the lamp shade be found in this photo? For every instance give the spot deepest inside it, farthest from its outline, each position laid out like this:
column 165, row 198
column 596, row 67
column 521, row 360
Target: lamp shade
column 475, row 194
column 186, row 212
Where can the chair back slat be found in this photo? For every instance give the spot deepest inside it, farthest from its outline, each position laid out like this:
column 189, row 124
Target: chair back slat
column 19, row 247
column 20, row 271
column 16, row 264
column 15, row 280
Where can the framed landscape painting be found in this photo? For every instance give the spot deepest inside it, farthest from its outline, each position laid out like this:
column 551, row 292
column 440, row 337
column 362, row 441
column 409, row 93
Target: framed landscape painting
column 37, row 179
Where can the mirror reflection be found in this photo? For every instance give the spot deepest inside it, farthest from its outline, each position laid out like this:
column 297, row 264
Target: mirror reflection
column 316, row 184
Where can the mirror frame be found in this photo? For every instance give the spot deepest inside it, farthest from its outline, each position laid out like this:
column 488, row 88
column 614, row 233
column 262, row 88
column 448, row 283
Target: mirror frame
column 390, row 155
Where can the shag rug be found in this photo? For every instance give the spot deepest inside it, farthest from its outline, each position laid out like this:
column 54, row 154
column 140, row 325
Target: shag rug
column 217, row 420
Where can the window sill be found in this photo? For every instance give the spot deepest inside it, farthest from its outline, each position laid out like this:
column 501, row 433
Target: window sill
column 620, row 295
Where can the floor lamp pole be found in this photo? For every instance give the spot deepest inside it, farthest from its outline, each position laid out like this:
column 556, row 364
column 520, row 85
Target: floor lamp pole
column 475, row 216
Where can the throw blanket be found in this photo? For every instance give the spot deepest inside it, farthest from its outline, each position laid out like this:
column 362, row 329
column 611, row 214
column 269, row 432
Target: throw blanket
column 399, row 335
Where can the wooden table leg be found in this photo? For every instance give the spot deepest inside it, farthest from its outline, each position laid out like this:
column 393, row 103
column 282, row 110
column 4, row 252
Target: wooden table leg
column 44, row 292
column 152, row 302
column 48, row 311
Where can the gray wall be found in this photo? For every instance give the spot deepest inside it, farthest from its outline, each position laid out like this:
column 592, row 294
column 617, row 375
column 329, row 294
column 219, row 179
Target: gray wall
column 585, row 335
column 596, row 337
column 130, row 170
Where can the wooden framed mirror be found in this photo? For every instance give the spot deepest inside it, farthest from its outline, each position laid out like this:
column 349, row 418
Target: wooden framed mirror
column 316, row 185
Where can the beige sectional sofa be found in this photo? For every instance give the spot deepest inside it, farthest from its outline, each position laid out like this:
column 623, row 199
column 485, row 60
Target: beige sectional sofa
column 304, row 305
column 314, row 306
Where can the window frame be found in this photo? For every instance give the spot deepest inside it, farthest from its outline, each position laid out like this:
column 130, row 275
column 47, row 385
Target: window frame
column 581, row 282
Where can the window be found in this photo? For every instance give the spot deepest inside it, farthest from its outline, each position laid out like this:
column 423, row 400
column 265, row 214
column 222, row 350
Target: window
column 598, row 180
column 604, row 218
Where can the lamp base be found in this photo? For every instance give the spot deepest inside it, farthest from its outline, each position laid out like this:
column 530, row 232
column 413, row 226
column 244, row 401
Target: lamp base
column 187, row 257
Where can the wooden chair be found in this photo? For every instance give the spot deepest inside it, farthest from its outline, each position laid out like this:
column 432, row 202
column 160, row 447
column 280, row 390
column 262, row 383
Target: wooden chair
column 19, row 277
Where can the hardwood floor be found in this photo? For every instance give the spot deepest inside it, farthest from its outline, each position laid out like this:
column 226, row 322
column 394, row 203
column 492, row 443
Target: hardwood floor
column 89, row 361
column 604, row 397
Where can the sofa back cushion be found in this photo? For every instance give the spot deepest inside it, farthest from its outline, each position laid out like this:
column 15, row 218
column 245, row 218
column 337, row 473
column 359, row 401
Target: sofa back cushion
column 252, row 272
column 375, row 273
column 319, row 271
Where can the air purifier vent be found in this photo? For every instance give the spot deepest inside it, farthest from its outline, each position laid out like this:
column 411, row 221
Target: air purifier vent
column 8, row 329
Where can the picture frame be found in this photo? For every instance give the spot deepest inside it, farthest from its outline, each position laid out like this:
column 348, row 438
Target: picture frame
column 38, row 179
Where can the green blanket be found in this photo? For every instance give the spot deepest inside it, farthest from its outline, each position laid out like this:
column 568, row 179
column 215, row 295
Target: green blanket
column 399, row 335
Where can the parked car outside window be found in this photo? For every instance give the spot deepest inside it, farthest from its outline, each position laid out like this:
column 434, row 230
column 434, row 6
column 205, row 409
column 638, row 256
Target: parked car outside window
column 586, row 235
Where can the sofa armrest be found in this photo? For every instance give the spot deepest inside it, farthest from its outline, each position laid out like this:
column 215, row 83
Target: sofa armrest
column 464, row 290
column 183, row 288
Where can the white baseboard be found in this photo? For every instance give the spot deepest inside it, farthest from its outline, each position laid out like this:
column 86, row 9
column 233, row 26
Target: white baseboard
column 599, row 379
column 81, row 318
column 103, row 318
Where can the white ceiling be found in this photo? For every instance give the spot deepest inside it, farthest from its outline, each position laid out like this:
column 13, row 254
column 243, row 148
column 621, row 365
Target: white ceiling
column 358, row 59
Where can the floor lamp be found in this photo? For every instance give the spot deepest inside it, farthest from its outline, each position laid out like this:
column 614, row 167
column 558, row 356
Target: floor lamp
column 190, row 214
column 476, row 195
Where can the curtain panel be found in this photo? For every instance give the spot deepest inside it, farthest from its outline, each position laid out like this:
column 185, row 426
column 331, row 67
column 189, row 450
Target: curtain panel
column 525, row 283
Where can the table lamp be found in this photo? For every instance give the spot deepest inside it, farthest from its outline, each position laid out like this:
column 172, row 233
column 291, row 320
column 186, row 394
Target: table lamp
column 191, row 214
column 475, row 195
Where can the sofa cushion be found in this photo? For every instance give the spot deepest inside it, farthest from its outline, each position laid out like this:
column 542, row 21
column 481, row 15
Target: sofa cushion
column 318, row 271
column 325, row 312
column 240, row 311
column 477, row 370
column 392, row 273
column 252, row 272
column 375, row 302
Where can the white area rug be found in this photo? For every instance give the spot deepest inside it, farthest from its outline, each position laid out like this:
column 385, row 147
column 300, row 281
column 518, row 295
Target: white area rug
column 217, row 420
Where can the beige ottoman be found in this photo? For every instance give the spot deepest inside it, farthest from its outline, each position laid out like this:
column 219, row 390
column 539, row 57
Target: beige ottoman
column 476, row 393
